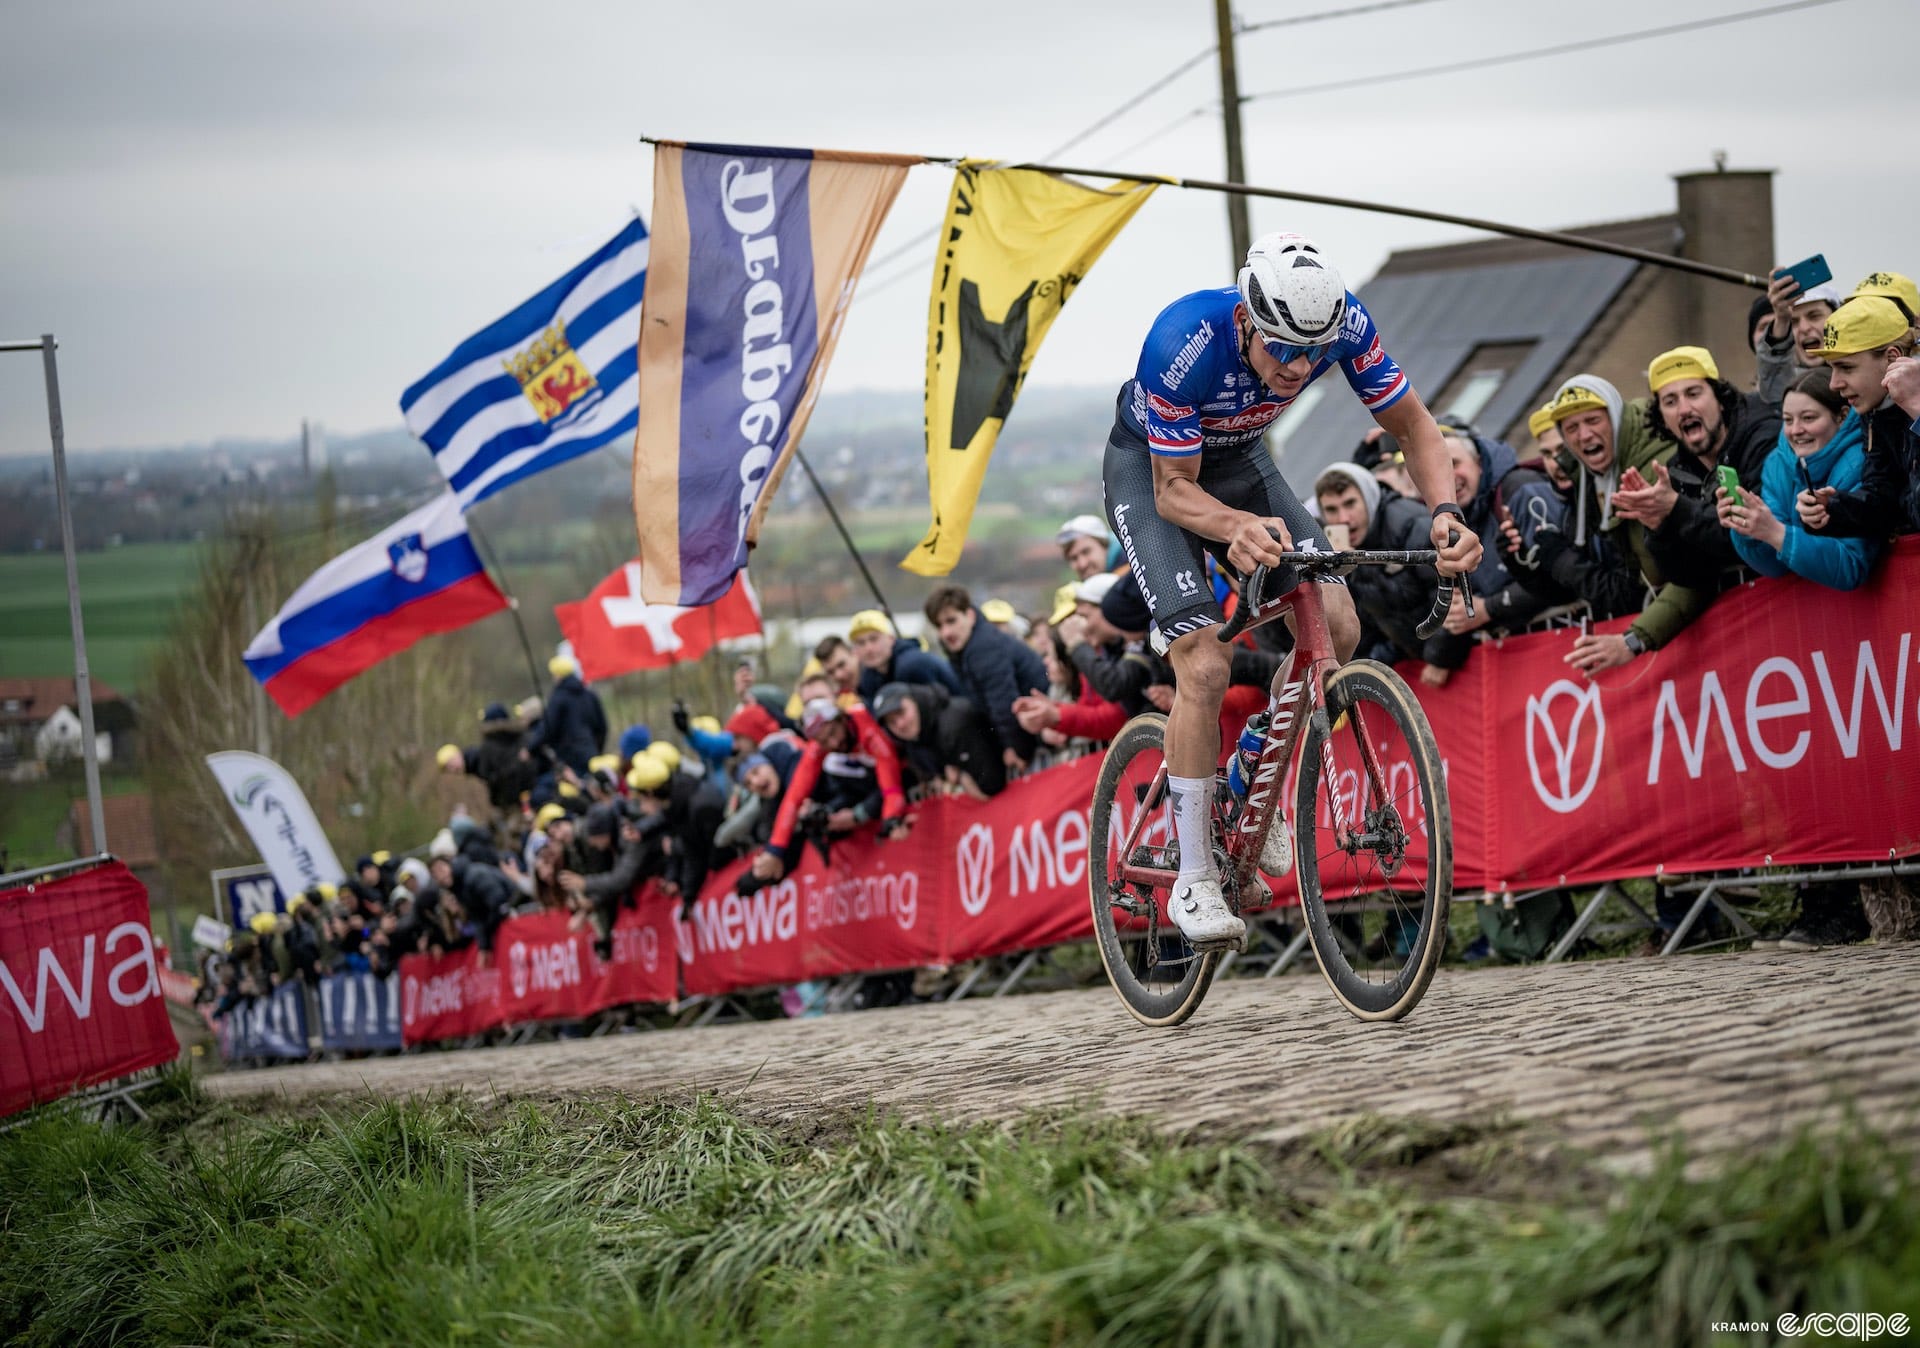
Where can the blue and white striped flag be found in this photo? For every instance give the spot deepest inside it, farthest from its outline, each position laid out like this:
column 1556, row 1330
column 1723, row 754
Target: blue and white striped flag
column 556, row 378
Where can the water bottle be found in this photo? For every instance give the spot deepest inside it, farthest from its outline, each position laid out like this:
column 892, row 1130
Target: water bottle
column 1246, row 756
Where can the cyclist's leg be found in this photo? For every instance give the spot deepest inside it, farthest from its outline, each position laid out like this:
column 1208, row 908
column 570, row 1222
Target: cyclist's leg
column 1170, row 566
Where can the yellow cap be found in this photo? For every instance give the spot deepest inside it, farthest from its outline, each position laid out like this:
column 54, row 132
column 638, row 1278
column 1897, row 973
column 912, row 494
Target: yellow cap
column 547, row 813
column 1575, row 399
column 710, row 724
column 869, row 620
column 1064, row 602
column 1683, row 362
column 997, row 611
column 663, row 752
column 328, row 893
column 1540, row 420
column 262, row 923
column 448, row 752
column 1864, row 324
column 380, row 858
column 648, row 773
column 297, row 901
column 567, row 789
column 561, row 666
column 1891, row 285
column 604, row 763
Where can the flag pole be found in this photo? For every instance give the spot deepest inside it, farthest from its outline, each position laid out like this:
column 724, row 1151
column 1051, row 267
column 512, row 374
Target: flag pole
column 513, row 604
column 847, row 538
column 1667, row 260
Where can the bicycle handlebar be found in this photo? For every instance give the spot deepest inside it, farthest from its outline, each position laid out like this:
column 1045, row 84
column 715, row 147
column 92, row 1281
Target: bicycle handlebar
column 1310, row 562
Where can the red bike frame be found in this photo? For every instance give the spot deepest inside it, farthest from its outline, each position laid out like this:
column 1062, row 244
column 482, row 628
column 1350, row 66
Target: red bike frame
column 1299, row 698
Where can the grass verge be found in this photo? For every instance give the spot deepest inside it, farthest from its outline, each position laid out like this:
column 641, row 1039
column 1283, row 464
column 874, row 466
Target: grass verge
column 610, row 1221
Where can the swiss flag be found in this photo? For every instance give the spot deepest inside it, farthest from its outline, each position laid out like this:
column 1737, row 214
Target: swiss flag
column 614, row 630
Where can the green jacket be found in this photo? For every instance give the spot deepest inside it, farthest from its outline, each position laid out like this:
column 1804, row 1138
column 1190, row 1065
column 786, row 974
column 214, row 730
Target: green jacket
column 1636, row 445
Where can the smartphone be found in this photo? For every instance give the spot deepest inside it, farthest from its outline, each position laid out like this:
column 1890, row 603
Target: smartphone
column 1806, row 478
column 1809, row 272
column 1729, row 481
column 1339, row 537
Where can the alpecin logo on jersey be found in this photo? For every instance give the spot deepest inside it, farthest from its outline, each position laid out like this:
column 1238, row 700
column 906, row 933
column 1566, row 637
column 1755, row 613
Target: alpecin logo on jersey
column 1371, row 357
column 552, row 375
column 1183, row 360
column 1354, row 326
column 1250, row 420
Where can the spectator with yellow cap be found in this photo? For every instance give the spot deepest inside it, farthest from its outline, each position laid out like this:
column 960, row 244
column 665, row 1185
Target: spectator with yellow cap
column 1551, row 450
column 1712, row 424
column 573, row 725
column 686, row 811
column 1084, row 541
column 885, row 658
column 1891, row 285
column 1617, row 447
column 1869, row 343
column 1783, row 349
column 1003, row 616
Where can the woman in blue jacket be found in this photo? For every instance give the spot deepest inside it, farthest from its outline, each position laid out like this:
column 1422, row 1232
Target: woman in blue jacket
column 1822, row 444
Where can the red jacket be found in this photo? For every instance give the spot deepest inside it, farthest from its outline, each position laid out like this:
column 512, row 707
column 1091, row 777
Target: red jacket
column 870, row 740
column 1091, row 716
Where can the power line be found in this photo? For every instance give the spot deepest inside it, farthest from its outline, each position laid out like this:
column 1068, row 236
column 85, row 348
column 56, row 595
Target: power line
column 1562, row 49
column 1133, row 101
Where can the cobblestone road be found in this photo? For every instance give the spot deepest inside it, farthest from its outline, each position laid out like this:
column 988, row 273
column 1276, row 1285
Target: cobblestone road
column 1729, row 1048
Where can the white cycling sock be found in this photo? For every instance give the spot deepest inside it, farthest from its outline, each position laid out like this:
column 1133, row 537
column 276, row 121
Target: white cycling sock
column 1192, row 799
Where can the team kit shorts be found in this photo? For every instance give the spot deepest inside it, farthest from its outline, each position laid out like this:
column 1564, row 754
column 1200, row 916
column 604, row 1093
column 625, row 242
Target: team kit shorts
column 1169, row 562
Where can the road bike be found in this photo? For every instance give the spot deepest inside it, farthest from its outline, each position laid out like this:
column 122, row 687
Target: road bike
column 1373, row 832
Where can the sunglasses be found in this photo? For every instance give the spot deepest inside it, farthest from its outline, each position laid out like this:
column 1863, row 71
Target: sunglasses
column 1287, row 352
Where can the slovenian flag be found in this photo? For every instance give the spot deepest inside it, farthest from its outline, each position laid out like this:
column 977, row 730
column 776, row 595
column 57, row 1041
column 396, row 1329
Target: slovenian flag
column 556, row 378
column 417, row 577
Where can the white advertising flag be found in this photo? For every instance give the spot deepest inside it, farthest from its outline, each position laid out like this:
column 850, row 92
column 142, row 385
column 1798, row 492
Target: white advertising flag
column 276, row 815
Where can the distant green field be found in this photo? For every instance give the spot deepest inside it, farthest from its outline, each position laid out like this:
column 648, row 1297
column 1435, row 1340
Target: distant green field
column 127, row 597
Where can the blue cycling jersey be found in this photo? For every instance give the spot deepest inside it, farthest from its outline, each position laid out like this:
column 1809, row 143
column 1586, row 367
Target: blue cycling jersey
column 1194, row 393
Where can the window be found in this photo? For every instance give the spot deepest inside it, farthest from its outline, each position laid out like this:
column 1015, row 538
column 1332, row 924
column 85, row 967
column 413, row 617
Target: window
column 1479, row 377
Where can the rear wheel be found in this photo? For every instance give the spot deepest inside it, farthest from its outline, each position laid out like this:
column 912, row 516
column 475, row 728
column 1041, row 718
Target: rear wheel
column 1374, row 842
column 1159, row 977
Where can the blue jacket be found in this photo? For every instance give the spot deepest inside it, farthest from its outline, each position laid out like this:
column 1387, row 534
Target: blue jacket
column 1837, row 563
column 909, row 664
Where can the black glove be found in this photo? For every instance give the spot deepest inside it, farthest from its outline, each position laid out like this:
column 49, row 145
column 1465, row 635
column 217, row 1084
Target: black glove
column 681, row 721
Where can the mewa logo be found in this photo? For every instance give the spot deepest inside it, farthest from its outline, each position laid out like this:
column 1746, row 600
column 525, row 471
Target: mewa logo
column 1554, row 780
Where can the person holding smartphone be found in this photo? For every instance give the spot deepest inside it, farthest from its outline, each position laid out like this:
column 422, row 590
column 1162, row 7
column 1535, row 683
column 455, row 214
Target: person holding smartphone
column 1822, row 444
column 1802, row 298
column 1868, row 344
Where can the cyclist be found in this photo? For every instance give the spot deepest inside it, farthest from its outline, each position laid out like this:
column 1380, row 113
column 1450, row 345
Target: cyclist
column 1187, row 473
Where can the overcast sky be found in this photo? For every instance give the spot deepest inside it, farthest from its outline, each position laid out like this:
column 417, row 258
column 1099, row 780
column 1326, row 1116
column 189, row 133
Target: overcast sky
column 238, row 214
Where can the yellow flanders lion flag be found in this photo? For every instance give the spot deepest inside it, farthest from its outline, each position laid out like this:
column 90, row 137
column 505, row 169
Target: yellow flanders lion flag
column 1017, row 243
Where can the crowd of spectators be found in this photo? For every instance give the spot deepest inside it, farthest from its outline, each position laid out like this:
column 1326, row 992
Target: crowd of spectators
column 1651, row 506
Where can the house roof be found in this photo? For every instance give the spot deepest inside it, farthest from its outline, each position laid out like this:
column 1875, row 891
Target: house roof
column 129, row 821
column 39, row 698
column 1436, row 306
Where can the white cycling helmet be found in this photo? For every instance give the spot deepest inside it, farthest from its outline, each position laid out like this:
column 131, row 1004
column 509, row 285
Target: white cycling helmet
column 1293, row 294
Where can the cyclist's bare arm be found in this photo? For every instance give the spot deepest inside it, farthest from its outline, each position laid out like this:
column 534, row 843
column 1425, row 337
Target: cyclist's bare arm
column 1180, row 499
column 1428, row 464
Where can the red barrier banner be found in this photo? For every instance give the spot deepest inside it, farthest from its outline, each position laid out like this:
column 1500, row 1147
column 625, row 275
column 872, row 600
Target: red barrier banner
column 548, row 972
column 80, row 998
column 447, row 997
column 539, row 970
column 1774, row 731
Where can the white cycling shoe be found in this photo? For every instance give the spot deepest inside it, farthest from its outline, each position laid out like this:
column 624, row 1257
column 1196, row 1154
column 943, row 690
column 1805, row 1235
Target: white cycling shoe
column 1200, row 911
column 1276, row 853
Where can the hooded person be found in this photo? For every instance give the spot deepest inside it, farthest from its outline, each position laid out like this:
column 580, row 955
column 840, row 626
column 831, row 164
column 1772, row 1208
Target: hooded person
column 1392, row 600
column 941, row 738
column 1616, row 446
column 1711, row 424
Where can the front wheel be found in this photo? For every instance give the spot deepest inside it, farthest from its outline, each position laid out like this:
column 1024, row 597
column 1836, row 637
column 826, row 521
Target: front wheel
column 1374, row 838
column 1159, row 977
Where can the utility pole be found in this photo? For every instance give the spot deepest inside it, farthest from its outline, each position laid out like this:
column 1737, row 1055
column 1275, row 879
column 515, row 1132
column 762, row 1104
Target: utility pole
column 1237, row 225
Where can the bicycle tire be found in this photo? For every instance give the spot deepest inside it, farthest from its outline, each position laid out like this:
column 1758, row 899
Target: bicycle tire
column 1375, row 690
column 1174, row 1003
